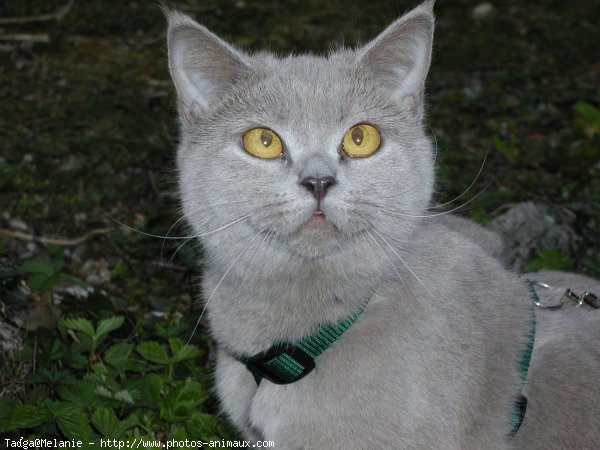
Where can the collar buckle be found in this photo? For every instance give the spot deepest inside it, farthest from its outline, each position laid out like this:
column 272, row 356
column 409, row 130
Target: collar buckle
column 281, row 364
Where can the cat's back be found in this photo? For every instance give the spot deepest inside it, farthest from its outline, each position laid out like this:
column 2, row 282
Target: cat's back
column 562, row 387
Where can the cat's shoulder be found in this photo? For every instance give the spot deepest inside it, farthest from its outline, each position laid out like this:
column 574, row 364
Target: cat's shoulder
column 486, row 239
column 457, row 238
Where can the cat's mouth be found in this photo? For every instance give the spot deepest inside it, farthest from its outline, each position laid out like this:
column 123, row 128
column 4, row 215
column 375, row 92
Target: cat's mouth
column 317, row 216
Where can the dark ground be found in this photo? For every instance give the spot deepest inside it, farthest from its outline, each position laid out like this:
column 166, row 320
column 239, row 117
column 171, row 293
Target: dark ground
column 88, row 126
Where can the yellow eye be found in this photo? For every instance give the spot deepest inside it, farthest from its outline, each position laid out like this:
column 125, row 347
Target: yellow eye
column 361, row 140
column 262, row 143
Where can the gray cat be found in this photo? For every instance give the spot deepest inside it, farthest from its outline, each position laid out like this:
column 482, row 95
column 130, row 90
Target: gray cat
column 308, row 180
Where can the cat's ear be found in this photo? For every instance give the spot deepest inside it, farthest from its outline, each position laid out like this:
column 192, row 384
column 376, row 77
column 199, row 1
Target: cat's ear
column 202, row 65
column 401, row 54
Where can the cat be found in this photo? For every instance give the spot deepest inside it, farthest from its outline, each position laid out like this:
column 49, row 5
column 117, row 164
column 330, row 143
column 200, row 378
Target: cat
column 308, row 180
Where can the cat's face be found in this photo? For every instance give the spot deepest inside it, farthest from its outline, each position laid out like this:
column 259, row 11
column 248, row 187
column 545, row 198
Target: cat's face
column 313, row 152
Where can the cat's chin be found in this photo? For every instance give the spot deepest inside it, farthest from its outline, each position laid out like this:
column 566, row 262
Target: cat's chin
column 317, row 238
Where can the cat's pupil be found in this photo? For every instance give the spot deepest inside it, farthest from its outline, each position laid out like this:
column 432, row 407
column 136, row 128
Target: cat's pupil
column 266, row 138
column 357, row 136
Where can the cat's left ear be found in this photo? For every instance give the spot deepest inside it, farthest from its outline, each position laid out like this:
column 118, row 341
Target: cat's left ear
column 401, row 54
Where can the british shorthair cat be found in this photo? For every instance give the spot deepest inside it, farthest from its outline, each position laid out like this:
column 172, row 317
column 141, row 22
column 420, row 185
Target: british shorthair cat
column 346, row 314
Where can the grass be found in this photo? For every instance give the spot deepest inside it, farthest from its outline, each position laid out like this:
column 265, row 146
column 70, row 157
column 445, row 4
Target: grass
column 88, row 129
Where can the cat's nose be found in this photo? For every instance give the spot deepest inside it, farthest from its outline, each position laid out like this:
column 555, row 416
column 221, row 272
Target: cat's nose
column 318, row 186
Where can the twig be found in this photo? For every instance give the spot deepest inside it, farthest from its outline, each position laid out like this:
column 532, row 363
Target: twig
column 170, row 266
column 57, row 15
column 34, row 362
column 38, row 37
column 54, row 241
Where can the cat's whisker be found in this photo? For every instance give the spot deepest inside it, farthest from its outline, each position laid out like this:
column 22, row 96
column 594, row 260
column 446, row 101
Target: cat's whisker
column 184, row 216
column 219, row 284
column 179, row 247
column 389, row 259
column 403, row 262
column 435, row 149
column 250, row 265
column 468, row 188
column 177, row 237
column 451, row 210
column 189, row 216
column 162, row 247
column 395, row 213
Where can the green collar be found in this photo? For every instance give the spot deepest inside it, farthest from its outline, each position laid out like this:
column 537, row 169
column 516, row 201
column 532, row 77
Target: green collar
column 287, row 363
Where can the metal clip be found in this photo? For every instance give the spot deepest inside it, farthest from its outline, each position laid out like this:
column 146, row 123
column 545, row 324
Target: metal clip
column 589, row 298
column 537, row 300
column 573, row 296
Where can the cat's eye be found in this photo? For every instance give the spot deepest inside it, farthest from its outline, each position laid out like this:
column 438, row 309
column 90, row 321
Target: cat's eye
column 262, row 143
column 361, row 140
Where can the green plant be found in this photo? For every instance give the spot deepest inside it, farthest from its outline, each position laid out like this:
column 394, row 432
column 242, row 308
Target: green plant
column 45, row 273
column 588, row 118
column 101, row 382
column 549, row 259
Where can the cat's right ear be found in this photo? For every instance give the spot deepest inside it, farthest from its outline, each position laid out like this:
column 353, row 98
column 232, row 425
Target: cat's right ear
column 202, row 65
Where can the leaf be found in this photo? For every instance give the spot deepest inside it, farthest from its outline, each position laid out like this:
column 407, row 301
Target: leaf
column 203, row 426
column 57, row 350
column 187, row 352
column 70, row 279
column 72, row 421
column 8, row 271
column 122, row 396
column 549, row 259
column 589, row 118
column 131, row 421
column 153, row 386
column 28, row 416
column 153, row 351
column 7, row 406
column 588, row 112
column 53, row 378
column 56, row 251
column 82, row 325
column 106, row 422
column 183, row 400
column 118, row 354
column 105, row 326
column 38, row 281
column 83, row 393
column 42, row 267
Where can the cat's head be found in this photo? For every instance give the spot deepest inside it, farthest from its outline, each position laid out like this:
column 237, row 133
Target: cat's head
column 315, row 151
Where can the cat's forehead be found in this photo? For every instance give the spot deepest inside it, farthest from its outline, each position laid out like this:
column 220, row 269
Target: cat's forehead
column 310, row 89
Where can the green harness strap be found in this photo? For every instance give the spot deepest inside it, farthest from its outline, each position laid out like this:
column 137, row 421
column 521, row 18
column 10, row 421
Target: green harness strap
column 518, row 414
column 287, row 363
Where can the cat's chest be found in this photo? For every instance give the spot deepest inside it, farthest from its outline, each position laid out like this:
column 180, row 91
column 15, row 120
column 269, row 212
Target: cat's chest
column 250, row 317
column 382, row 370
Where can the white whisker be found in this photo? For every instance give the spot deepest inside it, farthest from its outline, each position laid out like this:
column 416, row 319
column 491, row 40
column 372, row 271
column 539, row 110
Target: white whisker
column 403, row 262
column 178, row 237
column 470, row 185
column 250, row 268
column 179, row 247
column 389, row 259
column 189, row 215
column 219, row 284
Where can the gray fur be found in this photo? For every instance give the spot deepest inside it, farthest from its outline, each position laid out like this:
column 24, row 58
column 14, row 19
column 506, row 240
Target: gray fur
column 432, row 362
